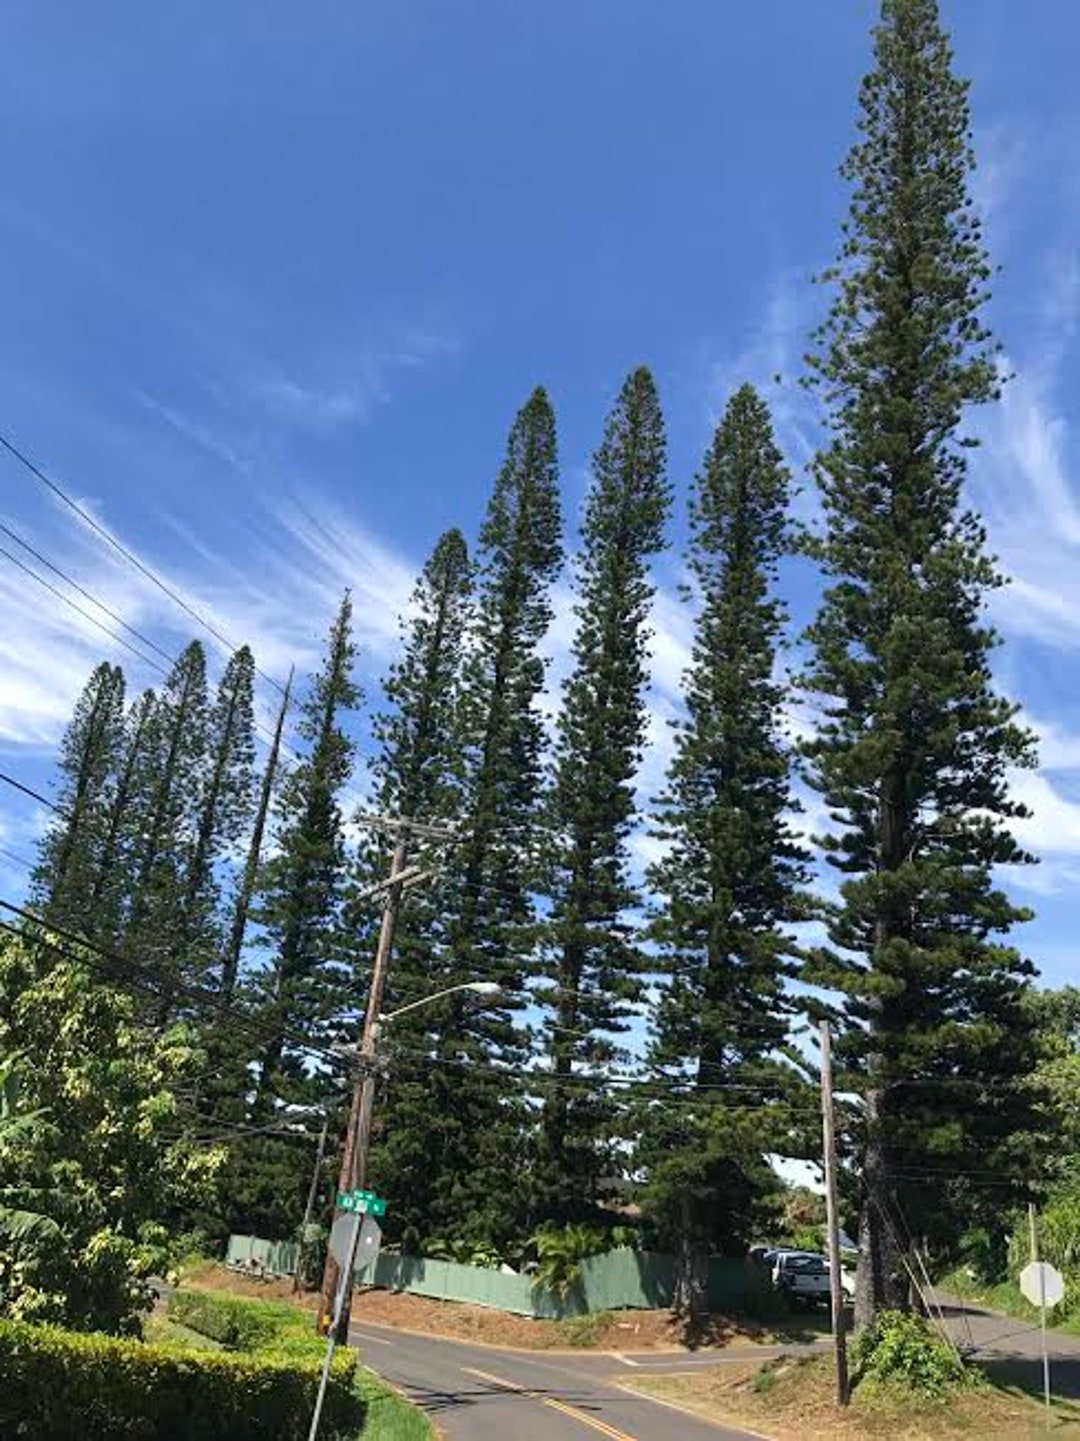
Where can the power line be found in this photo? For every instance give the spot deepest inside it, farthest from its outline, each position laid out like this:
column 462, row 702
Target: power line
column 33, row 794
column 120, row 640
column 75, row 585
column 194, row 994
column 95, row 620
column 128, row 555
column 529, row 1078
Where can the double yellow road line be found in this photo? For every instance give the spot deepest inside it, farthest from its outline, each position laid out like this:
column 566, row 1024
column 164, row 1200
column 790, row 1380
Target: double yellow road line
column 594, row 1422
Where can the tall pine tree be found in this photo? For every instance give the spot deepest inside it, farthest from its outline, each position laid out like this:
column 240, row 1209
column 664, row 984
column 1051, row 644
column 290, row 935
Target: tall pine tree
column 913, row 755
column 167, row 782
column 63, row 882
column 245, row 890
column 221, row 813
column 493, row 868
column 731, row 876
column 301, row 895
column 114, row 871
column 592, row 961
column 419, row 772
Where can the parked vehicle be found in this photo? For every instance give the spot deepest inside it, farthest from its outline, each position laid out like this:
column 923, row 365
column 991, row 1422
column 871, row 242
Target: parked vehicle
column 804, row 1277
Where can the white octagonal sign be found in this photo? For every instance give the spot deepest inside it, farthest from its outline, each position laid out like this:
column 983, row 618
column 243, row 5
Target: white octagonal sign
column 1042, row 1284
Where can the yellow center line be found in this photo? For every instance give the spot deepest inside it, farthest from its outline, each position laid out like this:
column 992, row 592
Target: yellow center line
column 572, row 1411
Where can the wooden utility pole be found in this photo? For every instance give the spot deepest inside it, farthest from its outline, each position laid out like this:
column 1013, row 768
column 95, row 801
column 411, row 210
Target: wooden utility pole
column 832, row 1217
column 358, row 1136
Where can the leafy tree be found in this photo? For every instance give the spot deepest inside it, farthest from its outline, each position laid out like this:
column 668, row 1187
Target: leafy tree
column 710, row 1187
column 593, row 963
column 419, row 773
column 101, row 1160
column 71, row 850
column 914, row 751
column 300, row 910
column 17, row 1126
column 732, row 872
column 493, row 868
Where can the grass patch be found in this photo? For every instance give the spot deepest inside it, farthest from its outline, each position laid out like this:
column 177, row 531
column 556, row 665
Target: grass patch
column 389, row 1417
column 790, row 1399
column 161, row 1330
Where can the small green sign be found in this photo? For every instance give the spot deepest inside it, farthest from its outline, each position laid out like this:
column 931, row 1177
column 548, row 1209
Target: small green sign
column 364, row 1202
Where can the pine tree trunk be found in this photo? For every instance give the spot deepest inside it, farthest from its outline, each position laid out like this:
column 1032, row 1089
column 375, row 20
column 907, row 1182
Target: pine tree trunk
column 879, row 1279
column 690, row 1293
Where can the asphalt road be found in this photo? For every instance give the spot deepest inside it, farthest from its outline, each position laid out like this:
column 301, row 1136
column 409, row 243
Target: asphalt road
column 1012, row 1348
column 478, row 1393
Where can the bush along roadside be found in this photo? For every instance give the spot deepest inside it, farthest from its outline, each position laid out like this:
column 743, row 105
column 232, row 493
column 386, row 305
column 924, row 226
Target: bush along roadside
column 75, row 1387
column 901, row 1350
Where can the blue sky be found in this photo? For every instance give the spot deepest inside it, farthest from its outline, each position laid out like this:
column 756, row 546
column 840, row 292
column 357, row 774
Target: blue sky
column 276, row 278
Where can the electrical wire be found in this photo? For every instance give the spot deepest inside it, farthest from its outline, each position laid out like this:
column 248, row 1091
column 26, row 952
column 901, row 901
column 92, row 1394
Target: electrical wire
column 194, row 995
column 33, row 794
column 16, row 858
column 86, row 595
column 132, row 559
column 154, row 665
column 120, row 640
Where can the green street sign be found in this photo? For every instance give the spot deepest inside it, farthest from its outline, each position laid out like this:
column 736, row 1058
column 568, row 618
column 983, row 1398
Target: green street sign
column 364, row 1202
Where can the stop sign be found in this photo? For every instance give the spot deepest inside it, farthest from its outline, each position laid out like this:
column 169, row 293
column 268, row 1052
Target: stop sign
column 1042, row 1284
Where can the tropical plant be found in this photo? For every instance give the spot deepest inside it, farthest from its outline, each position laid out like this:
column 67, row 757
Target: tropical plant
column 560, row 1251
column 17, row 1125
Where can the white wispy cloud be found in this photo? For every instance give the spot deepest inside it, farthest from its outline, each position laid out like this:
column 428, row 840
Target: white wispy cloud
column 358, row 388
column 771, row 359
column 280, row 601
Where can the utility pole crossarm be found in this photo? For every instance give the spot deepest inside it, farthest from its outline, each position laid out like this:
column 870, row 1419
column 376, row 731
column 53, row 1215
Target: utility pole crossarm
column 398, row 825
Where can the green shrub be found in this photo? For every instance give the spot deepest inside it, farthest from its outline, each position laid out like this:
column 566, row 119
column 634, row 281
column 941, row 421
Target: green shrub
column 240, row 1325
column 900, row 1348
column 583, row 1330
column 763, row 1381
column 78, row 1387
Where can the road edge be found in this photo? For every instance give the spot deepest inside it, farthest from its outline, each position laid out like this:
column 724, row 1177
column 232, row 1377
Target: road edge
column 688, row 1411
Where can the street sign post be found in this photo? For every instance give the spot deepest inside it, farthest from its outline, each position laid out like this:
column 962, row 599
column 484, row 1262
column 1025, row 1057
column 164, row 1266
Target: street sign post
column 341, row 1234
column 1042, row 1285
column 355, row 1238
column 364, row 1202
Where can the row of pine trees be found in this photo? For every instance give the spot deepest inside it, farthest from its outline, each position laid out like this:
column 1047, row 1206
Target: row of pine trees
column 249, row 881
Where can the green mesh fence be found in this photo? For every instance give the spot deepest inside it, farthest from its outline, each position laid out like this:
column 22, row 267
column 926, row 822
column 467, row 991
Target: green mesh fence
column 620, row 1280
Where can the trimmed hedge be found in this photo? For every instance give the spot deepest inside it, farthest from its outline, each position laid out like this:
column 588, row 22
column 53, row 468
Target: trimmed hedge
column 66, row 1386
column 240, row 1326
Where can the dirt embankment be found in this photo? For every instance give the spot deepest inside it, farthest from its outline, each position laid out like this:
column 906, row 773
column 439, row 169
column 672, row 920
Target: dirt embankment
column 608, row 1331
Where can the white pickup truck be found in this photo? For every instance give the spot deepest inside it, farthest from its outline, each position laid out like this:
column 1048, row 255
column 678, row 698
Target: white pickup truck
column 804, row 1277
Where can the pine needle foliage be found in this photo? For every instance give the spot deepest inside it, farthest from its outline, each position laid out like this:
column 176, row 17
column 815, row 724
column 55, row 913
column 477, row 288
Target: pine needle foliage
column 916, row 744
column 588, row 943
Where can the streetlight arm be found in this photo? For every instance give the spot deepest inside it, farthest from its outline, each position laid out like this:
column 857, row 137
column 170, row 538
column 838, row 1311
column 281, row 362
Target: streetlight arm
column 480, row 988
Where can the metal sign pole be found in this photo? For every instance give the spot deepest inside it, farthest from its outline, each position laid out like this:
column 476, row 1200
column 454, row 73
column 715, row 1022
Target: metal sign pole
column 1042, row 1302
column 344, row 1284
column 1045, row 1351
